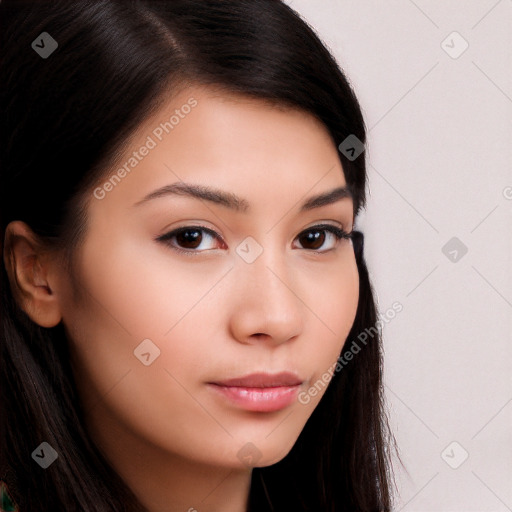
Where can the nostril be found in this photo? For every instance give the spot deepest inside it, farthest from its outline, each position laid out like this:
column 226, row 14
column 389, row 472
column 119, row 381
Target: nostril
column 259, row 335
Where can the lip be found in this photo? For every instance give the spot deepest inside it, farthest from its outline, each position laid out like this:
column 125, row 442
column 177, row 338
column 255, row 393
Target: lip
column 260, row 392
column 262, row 380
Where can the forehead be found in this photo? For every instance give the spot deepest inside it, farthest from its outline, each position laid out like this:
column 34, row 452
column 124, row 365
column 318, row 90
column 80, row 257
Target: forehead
column 212, row 119
column 241, row 144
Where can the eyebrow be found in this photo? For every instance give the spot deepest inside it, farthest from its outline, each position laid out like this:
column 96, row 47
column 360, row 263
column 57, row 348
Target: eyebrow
column 234, row 202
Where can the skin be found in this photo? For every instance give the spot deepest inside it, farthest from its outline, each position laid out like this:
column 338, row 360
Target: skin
column 212, row 315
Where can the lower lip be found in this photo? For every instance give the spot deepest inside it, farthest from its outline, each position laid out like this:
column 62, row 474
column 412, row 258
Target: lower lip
column 259, row 399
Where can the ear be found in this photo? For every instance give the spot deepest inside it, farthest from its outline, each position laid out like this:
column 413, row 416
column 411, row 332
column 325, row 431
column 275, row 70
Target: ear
column 32, row 274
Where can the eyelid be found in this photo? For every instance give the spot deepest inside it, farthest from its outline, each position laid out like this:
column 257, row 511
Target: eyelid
column 337, row 230
column 164, row 238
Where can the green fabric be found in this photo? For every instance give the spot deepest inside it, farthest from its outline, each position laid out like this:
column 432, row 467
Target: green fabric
column 6, row 502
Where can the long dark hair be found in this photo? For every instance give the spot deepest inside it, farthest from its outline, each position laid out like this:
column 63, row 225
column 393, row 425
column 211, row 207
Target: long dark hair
column 65, row 118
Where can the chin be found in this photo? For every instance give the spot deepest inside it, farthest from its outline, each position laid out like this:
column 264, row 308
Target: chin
column 263, row 454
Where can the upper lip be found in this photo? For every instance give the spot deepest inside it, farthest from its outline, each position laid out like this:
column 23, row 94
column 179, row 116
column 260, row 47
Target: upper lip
column 262, row 380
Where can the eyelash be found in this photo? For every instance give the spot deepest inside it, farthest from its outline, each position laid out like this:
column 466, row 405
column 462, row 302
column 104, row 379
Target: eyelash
column 339, row 234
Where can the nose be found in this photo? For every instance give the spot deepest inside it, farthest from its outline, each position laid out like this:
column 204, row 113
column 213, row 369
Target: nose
column 266, row 304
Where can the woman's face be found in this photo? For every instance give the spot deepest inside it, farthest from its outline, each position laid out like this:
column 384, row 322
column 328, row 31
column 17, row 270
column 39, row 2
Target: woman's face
column 162, row 318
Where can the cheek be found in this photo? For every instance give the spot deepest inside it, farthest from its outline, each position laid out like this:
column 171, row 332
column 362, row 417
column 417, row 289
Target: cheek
column 135, row 292
column 141, row 287
column 339, row 296
column 336, row 297
column 132, row 294
column 336, row 306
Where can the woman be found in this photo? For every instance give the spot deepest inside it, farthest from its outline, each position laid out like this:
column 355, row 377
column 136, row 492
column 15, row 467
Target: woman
column 182, row 283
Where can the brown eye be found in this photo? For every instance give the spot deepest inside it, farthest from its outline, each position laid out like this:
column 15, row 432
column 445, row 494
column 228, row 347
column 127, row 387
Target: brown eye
column 315, row 237
column 312, row 240
column 189, row 238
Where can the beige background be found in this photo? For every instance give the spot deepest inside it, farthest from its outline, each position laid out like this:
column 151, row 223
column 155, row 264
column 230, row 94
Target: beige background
column 440, row 146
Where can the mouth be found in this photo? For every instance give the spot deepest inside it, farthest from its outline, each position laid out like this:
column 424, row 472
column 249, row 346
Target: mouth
column 259, row 392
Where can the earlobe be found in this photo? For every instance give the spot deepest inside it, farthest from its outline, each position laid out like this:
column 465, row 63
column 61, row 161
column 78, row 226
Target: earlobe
column 29, row 267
